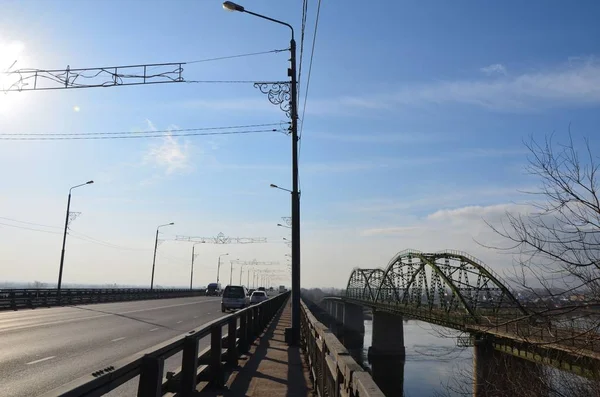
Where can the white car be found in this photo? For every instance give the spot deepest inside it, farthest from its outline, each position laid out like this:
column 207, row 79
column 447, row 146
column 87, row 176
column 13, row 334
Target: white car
column 258, row 296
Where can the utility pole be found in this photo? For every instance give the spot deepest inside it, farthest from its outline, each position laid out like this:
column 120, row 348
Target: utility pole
column 192, row 269
column 253, row 262
column 219, row 266
column 155, row 247
column 62, row 253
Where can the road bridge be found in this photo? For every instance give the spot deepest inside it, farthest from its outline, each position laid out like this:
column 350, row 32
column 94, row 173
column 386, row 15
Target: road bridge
column 455, row 290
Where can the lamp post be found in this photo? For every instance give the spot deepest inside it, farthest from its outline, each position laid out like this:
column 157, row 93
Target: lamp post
column 62, row 253
column 155, row 247
column 219, row 266
column 231, row 272
column 287, row 227
column 192, row 270
column 279, row 94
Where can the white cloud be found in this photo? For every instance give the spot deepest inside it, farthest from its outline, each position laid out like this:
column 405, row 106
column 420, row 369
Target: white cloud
column 398, row 230
column 493, row 214
column 170, row 154
column 573, row 84
column 384, row 138
column 493, row 69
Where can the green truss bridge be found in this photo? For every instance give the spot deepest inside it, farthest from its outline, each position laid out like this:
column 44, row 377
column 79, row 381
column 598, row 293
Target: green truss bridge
column 455, row 290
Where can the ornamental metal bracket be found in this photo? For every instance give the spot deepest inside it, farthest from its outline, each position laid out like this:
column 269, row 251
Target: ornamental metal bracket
column 279, row 93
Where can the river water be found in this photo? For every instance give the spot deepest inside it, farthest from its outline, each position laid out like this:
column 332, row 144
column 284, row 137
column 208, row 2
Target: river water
column 435, row 365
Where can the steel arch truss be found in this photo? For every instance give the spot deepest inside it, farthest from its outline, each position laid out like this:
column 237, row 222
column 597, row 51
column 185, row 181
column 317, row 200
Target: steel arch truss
column 442, row 282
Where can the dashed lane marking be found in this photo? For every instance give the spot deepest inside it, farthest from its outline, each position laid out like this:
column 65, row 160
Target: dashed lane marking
column 41, row 360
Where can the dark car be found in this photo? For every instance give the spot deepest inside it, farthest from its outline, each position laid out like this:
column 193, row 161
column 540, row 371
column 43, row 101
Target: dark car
column 213, row 289
column 234, row 297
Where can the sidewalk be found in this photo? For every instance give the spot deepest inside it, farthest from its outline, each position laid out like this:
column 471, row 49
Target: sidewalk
column 271, row 368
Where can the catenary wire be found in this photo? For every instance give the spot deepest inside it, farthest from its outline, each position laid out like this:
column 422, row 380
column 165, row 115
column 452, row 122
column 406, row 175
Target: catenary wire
column 141, row 132
column 95, row 137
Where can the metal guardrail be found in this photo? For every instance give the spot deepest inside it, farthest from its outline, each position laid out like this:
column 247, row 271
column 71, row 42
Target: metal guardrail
column 333, row 370
column 15, row 299
column 209, row 365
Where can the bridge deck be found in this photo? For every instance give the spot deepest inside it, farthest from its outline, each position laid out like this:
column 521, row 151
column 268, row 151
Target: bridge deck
column 271, row 368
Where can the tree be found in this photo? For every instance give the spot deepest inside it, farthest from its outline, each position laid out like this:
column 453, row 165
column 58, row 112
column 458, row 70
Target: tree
column 558, row 241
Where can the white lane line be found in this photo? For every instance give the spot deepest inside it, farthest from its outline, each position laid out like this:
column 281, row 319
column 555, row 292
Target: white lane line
column 7, row 329
column 118, row 339
column 154, row 329
column 207, row 313
column 40, row 360
column 179, row 322
column 195, row 316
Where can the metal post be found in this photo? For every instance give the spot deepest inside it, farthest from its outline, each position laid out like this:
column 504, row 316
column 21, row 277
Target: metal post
column 295, row 333
column 151, row 377
column 230, row 272
column 218, row 269
column 189, row 365
column 216, row 370
column 192, row 271
column 232, row 353
column 154, row 260
column 241, row 270
column 62, row 254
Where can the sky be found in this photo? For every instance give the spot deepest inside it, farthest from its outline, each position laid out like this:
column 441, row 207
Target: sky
column 412, row 132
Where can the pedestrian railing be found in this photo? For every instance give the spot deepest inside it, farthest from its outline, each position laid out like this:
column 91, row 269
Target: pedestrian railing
column 209, row 365
column 333, row 370
column 15, row 299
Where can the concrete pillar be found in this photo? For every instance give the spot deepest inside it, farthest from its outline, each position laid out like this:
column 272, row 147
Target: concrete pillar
column 497, row 374
column 388, row 335
column 388, row 374
column 354, row 319
column 339, row 312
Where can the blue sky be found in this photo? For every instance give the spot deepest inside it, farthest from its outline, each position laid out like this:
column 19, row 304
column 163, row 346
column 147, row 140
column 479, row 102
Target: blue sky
column 413, row 130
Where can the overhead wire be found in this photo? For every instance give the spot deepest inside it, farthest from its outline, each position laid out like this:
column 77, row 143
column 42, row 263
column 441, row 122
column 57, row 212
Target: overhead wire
column 29, row 223
column 140, row 132
column 29, row 228
column 302, row 30
column 236, row 56
column 104, row 137
column 312, row 53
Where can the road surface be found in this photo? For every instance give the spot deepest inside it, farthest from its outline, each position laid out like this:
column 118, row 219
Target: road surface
column 42, row 349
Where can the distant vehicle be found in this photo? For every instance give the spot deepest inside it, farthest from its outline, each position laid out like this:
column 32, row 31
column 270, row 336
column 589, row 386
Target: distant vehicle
column 234, row 297
column 213, row 289
column 257, row 297
column 281, row 289
column 250, row 291
column 261, row 289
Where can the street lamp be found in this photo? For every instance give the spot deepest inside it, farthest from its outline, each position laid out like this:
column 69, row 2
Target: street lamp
column 62, row 253
column 231, row 272
column 156, row 246
column 219, row 266
column 193, row 257
column 287, row 92
column 280, row 188
column 289, row 227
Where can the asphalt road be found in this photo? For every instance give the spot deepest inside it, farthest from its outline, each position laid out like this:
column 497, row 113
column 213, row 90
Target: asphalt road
column 42, row 349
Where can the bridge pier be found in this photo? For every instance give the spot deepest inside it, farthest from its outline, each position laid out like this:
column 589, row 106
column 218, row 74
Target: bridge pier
column 354, row 318
column 353, row 330
column 388, row 335
column 497, row 374
column 388, row 374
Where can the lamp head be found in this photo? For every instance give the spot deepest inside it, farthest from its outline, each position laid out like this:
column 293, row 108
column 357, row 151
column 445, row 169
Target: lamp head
column 89, row 182
column 231, row 6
